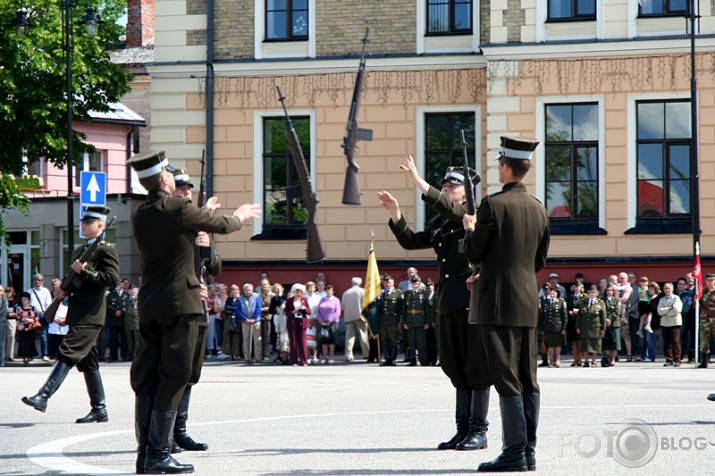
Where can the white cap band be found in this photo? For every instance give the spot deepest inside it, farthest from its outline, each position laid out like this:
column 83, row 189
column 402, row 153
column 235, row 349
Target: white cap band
column 453, row 174
column 153, row 170
column 516, row 154
column 91, row 214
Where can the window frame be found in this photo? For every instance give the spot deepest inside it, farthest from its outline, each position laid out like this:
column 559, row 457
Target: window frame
column 451, row 31
column 666, row 11
column 76, row 179
column 289, row 23
column 278, row 232
column 573, row 17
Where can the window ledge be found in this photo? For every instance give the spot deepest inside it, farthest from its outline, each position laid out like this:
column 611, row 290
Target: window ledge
column 281, row 233
column 570, row 20
column 661, row 227
column 576, row 228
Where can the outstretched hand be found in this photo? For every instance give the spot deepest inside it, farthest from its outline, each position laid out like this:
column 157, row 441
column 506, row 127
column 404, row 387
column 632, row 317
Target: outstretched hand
column 247, row 211
column 389, row 203
column 212, row 205
column 411, row 168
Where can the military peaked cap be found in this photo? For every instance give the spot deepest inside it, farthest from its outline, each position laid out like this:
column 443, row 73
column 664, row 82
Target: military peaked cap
column 150, row 163
column 96, row 213
column 182, row 178
column 515, row 148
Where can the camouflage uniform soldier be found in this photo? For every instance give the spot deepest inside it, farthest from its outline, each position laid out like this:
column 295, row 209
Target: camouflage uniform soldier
column 707, row 319
column 416, row 321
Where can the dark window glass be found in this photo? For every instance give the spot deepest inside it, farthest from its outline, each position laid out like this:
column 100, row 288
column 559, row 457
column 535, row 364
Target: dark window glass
column 443, row 147
column 663, row 148
column 282, row 198
column 449, row 17
column 90, row 163
column 663, row 7
column 286, row 19
column 571, row 151
column 572, row 10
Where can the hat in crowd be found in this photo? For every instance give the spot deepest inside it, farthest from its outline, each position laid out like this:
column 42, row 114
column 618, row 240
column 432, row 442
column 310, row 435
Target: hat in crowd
column 388, row 278
column 429, row 282
column 296, row 287
column 553, row 275
column 182, row 179
column 95, row 213
column 150, row 163
column 709, row 275
column 515, row 148
column 416, row 279
column 455, row 175
column 593, row 287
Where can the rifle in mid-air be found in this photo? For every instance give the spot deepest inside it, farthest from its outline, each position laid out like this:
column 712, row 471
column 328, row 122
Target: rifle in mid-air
column 353, row 133
column 310, row 200
column 469, row 182
column 71, row 279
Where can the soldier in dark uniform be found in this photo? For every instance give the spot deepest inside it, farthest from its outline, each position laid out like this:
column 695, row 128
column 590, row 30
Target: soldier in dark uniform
column 85, row 317
column 116, row 319
column 553, row 324
column 390, row 313
column 416, row 321
column 458, row 354
column 509, row 240
column 591, row 325
column 170, row 307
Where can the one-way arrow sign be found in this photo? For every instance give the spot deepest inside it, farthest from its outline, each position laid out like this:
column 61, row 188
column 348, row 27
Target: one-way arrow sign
column 93, row 190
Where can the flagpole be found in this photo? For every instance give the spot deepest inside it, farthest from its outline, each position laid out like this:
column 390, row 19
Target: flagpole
column 694, row 180
column 698, row 280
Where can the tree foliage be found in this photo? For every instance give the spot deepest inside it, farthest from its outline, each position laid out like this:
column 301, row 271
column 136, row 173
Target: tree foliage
column 33, row 83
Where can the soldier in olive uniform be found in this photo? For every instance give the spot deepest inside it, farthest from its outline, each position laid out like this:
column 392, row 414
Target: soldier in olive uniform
column 170, row 308
column 575, row 303
column 707, row 319
column 509, row 240
column 416, row 321
column 85, row 317
column 461, row 360
column 554, row 317
column 611, row 342
column 591, row 325
column 116, row 318
column 390, row 314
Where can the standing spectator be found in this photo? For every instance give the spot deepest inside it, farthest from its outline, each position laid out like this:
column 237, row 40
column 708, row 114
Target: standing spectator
column 707, row 319
column 554, row 317
column 132, row 324
column 116, row 310
column 602, row 285
column 320, row 276
column 406, row 284
column 40, row 299
column 591, row 326
column 648, row 338
column 554, row 283
column 669, row 309
column 632, row 319
column 266, row 317
column 56, row 282
column 354, row 321
column 624, row 293
column 575, row 303
column 11, row 325
column 687, row 330
column 26, row 319
column 312, row 330
column 320, row 288
column 612, row 337
column 278, row 305
column 327, row 315
column 415, row 321
column 212, row 348
column 297, row 311
column 390, row 314
column 218, row 307
column 233, row 332
column 433, row 329
column 58, row 328
column 249, row 311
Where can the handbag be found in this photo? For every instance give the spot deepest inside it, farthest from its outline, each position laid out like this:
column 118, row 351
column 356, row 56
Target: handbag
column 326, row 336
column 35, row 326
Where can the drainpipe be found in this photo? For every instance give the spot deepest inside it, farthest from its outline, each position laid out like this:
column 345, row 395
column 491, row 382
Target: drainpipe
column 209, row 97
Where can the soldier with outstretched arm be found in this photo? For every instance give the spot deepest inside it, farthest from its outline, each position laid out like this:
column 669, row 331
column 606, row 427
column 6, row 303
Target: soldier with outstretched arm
column 456, row 339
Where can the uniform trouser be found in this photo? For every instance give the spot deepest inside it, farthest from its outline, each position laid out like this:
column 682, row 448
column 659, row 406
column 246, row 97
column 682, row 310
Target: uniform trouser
column 454, row 345
column 266, row 337
column 510, row 354
column 133, row 343
column 79, row 347
column 117, row 334
column 197, row 363
column 164, row 366
column 707, row 326
column 417, row 340
column 432, row 346
column 388, row 338
column 359, row 328
column 10, row 339
column 257, row 341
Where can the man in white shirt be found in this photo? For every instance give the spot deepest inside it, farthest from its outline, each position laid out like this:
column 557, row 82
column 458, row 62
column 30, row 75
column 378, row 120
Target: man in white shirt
column 354, row 321
column 40, row 299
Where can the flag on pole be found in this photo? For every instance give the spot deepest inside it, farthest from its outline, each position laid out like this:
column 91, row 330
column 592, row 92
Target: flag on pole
column 373, row 289
column 698, row 273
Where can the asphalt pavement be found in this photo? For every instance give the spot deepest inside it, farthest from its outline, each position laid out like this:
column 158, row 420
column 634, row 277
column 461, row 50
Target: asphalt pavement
column 360, row 419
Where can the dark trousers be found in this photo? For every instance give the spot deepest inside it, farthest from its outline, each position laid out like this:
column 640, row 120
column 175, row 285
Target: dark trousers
column 453, row 347
column 79, row 347
column 511, row 359
column 671, row 343
column 432, row 346
column 133, row 343
column 417, row 340
column 117, row 343
column 633, row 324
column 687, row 334
column 53, row 344
column 298, row 340
column 388, row 341
column 197, row 363
column 164, row 366
column 266, row 337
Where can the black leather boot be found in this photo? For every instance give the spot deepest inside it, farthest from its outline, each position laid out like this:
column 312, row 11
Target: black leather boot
column 532, row 406
column 182, row 439
column 95, row 389
column 57, row 376
column 142, row 421
column 513, row 454
column 158, row 454
column 461, row 415
column 476, row 439
column 703, row 360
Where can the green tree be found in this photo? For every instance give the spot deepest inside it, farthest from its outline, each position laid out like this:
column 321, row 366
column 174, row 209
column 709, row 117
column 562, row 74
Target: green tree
column 33, row 84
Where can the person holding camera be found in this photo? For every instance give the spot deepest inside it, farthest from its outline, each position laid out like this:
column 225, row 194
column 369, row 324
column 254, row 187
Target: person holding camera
column 297, row 311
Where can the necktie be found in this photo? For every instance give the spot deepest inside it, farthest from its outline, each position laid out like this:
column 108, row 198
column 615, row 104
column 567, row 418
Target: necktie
column 590, row 302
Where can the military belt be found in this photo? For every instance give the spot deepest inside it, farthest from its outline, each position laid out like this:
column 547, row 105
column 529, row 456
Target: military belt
column 414, row 311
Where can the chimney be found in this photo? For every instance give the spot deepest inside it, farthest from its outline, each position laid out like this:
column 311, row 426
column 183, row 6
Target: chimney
column 140, row 23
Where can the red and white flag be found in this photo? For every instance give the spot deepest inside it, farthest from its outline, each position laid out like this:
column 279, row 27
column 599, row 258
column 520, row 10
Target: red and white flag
column 698, row 273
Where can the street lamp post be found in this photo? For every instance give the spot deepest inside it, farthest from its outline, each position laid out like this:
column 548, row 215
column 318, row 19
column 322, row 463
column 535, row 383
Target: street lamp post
column 91, row 22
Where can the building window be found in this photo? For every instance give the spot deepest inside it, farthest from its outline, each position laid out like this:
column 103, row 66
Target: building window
column 663, row 154
column 662, row 8
column 443, row 147
column 572, row 10
column 286, row 20
column 90, row 163
column 449, row 17
column 284, row 211
column 571, row 163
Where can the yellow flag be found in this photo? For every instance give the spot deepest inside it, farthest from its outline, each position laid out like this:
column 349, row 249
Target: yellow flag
column 373, row 289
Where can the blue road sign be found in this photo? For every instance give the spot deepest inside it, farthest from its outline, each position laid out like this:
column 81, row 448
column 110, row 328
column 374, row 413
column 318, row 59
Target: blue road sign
column 93, row 191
